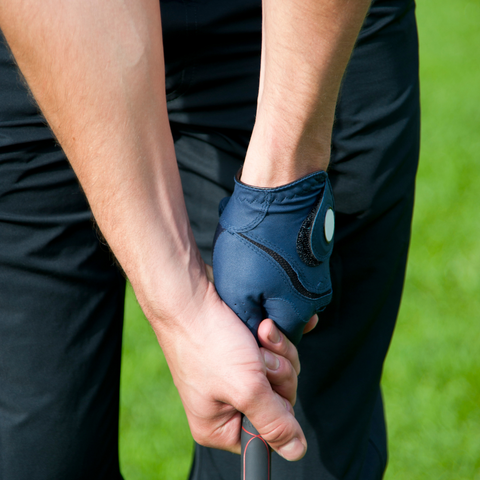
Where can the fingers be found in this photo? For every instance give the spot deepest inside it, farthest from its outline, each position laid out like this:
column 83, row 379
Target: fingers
column 312, row 323
column 281, row 375
column 219, row 371
column 222, row 431
column 274, row 340
column 269, row 405
column 273, row 417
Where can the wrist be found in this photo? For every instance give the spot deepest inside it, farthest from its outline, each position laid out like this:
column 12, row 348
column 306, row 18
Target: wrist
column 163, row 264
column 190, row 321
column 269, row 174
column 172, row 296
column 280, row 154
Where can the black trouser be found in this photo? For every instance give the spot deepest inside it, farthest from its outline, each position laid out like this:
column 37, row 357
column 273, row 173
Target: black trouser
column 61, row 297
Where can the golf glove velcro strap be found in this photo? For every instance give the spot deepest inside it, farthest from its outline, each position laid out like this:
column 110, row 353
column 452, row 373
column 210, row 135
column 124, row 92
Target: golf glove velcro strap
column 271, row 252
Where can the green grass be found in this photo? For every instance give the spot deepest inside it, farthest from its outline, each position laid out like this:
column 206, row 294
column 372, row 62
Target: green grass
column 432, row 374
column 155, row 442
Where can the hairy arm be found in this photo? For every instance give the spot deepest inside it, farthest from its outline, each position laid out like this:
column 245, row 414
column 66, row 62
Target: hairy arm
column 96, row 70
column 306, row 48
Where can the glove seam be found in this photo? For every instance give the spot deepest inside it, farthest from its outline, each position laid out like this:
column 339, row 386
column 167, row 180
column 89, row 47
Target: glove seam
column 254, row 223
column 291, row 304
column 294, row 262
column 276, row 197
column 306, row 183
column 286, row 280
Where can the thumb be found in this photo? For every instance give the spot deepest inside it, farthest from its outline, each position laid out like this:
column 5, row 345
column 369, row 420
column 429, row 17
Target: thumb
column 272, row 416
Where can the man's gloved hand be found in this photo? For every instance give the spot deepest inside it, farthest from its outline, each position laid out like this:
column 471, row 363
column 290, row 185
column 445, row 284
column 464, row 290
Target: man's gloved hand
column 271, row 252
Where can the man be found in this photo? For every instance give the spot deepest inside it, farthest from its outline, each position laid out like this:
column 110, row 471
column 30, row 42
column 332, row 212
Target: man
column 96, row 71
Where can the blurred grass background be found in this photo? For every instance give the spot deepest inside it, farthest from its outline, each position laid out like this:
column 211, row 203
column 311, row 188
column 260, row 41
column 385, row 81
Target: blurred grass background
column 432, row 374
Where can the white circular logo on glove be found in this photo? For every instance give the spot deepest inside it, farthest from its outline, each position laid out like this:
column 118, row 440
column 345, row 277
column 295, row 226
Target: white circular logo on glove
column 329, row 226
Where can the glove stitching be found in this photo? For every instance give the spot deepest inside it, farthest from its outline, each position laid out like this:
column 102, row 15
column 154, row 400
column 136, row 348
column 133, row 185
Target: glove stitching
column 295, row 190
column 314, row 188
column 299, row 265
column 245, row 199
column 292, row 305
column 318, row 304
column 255, row 222
column 293, row 261
column 284, row 276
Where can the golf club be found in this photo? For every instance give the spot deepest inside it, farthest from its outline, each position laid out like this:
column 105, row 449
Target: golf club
column 255, row 460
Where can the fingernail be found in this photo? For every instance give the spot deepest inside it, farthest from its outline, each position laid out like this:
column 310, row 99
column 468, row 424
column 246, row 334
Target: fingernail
column 292, row 450
column 274, row 335
column 271, row 361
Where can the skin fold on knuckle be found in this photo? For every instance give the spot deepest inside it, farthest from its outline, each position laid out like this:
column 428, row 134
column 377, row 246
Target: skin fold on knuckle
column 248, row 398
column 279, row 433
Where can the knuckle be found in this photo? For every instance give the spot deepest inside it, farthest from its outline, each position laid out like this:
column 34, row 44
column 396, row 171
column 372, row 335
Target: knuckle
column 290, row 378
column 284, row 346
column 293, row 384
column 248, row 397
column 278, row 434
column 292, row 351
column 288, row 371
column 294, row 375
column 294, row 360
column 285, row 378
column 298, row 367
column 289, row 368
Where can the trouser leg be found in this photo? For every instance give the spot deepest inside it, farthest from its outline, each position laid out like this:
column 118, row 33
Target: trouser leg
column 61, row 309
column 373, row 167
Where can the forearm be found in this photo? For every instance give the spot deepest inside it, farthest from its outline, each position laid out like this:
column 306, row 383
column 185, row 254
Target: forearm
column 306, row 48
column 96, row 70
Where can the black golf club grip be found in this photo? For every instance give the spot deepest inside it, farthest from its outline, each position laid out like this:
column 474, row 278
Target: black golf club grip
column 255, row 454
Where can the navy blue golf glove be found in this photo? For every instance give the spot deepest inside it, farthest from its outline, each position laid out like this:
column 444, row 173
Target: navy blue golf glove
column 271, row 252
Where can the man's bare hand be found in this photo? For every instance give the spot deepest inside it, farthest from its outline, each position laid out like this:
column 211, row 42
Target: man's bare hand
column 220, row 371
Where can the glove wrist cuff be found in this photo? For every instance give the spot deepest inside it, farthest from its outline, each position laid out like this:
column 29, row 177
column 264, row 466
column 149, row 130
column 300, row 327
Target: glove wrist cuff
column 299, row 188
